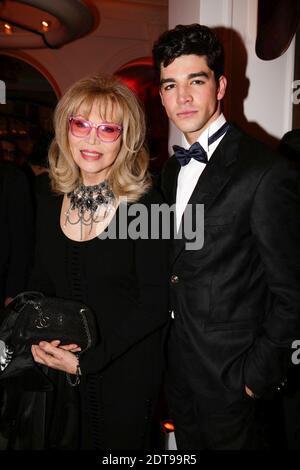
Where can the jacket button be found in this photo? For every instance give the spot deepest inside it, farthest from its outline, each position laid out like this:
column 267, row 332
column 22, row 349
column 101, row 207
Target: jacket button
column 174, row 279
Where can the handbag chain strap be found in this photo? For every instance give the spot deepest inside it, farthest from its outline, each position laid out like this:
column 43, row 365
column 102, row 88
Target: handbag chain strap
column 86, row 329
column 77, row 374
column 89, row 342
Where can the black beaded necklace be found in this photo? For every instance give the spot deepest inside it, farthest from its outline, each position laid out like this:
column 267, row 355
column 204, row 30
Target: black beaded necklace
column 88, row 200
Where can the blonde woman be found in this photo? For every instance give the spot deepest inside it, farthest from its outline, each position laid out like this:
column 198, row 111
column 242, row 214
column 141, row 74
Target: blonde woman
column 98, row 159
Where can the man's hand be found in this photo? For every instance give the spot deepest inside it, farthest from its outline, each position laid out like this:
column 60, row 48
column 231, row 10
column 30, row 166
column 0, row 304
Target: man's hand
column 7, row 300
column 249, row 392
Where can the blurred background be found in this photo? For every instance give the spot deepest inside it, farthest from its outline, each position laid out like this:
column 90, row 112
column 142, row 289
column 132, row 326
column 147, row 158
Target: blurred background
column 42, row 53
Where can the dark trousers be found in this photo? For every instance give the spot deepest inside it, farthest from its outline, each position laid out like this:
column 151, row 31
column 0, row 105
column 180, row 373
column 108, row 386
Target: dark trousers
column 231, row 428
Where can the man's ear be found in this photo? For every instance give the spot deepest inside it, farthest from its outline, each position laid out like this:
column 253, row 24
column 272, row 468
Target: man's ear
column 221, row 88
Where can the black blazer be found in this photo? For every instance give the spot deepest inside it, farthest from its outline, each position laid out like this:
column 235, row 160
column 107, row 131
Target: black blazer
column 17, row 230
column 236, row 301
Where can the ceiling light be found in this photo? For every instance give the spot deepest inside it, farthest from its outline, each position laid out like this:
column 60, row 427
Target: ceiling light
column 7, row 28
column 45, row 25
column 71, row 20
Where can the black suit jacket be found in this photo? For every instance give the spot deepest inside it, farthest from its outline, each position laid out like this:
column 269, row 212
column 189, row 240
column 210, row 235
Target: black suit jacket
column 236, row 301
column 17, row 231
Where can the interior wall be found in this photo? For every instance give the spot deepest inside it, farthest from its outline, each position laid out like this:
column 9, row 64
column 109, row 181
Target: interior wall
column 296, row 85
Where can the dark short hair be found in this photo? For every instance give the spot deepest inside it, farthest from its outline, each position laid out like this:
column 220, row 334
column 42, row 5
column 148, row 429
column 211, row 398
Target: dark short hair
column 289, row 145
column 189, row 39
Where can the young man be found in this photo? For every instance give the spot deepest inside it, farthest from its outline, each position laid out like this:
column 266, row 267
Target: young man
column 236, row 301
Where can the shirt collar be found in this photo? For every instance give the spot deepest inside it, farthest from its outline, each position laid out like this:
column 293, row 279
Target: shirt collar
column 203, row 138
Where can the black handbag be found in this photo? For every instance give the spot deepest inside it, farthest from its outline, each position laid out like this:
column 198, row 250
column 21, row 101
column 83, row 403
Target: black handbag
column 32, row 317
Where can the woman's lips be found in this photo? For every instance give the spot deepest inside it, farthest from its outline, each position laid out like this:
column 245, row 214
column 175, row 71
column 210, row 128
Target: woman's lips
column 90, row 155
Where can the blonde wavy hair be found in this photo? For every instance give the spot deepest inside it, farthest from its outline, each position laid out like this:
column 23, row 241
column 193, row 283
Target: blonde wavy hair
column 129, row 176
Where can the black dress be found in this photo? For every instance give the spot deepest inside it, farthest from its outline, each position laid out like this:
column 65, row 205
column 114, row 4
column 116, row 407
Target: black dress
column 17, row 231
column 125, row 282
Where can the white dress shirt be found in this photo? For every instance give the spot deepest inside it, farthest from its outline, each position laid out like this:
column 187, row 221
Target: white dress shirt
column 190, row 173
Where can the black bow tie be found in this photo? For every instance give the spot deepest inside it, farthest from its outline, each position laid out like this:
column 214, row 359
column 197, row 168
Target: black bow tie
column 196, row 150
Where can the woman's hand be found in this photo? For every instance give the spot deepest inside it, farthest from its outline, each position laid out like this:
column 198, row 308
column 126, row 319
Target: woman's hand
column 55, row 356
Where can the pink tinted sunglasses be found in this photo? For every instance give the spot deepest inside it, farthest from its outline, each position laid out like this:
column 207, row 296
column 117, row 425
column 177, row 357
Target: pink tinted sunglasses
column 106, row 131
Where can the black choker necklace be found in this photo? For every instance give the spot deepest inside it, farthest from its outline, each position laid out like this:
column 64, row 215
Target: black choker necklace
column 88, row 200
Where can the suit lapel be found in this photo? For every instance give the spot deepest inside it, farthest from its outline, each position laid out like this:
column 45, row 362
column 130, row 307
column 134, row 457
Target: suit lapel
column 214, row 178
column 218, row 171
column 169, row 180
